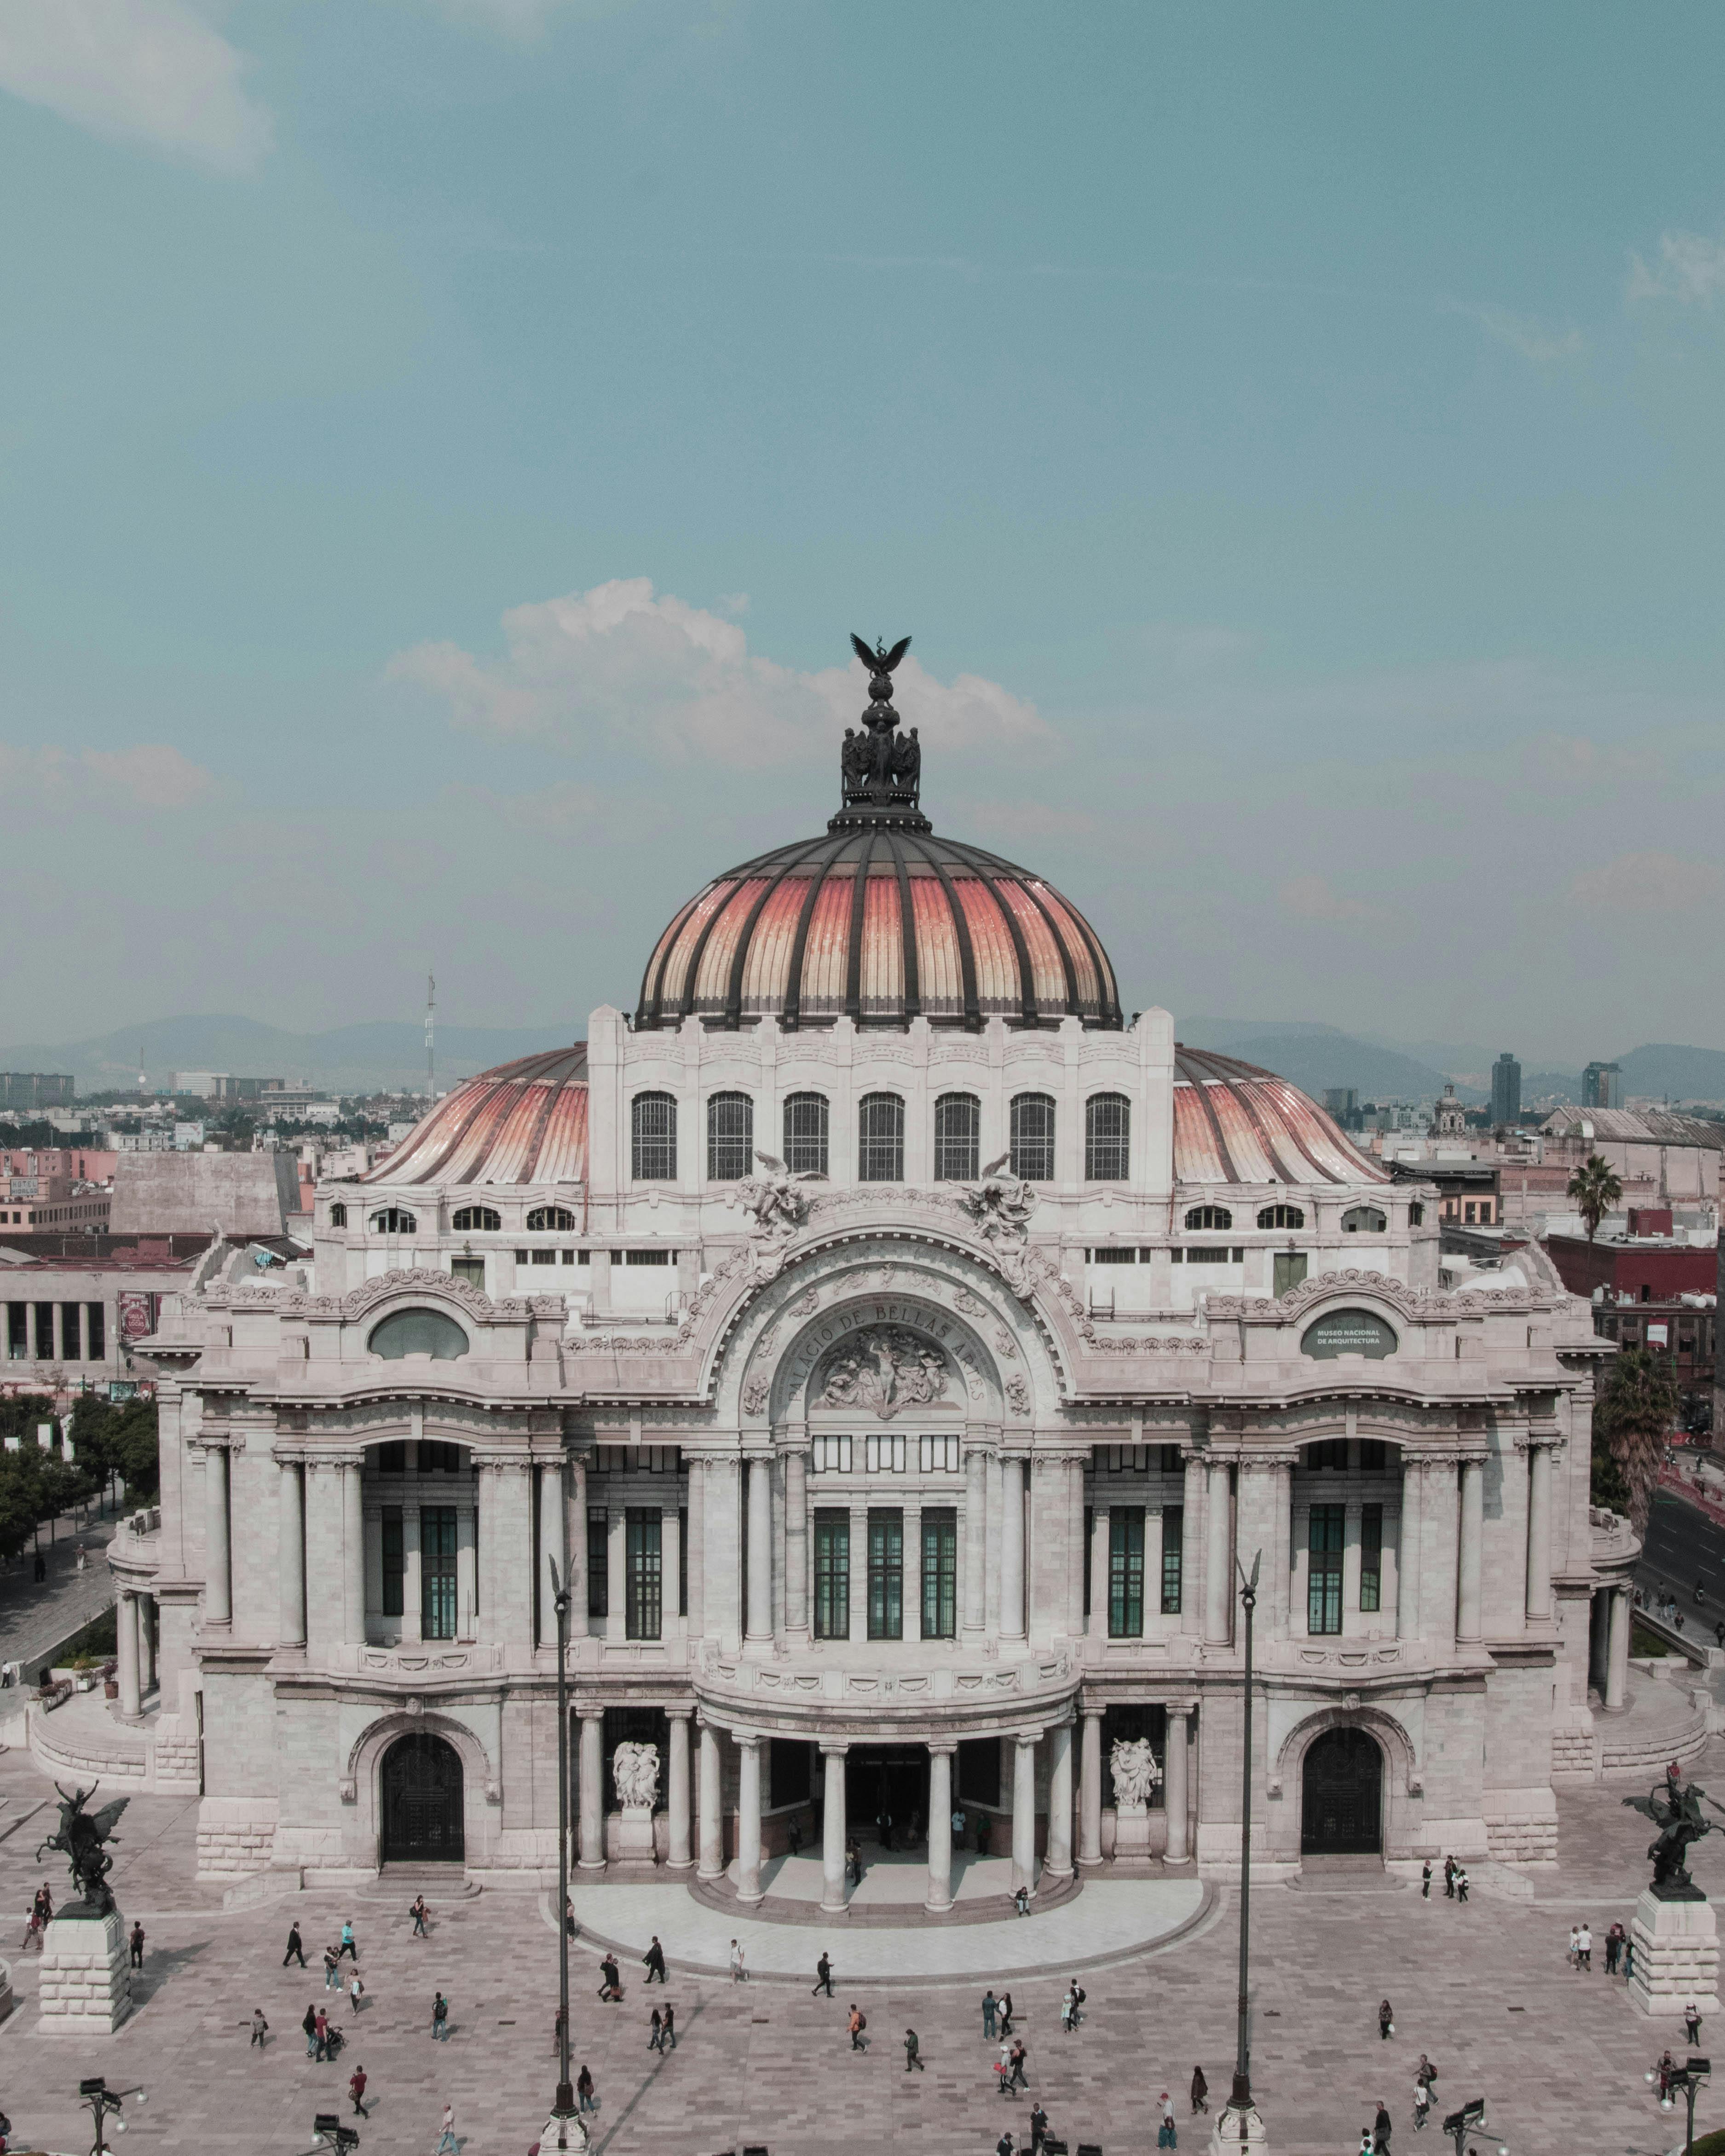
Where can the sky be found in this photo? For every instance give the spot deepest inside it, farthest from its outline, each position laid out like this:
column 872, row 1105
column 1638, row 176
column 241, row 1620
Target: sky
column 446, row 444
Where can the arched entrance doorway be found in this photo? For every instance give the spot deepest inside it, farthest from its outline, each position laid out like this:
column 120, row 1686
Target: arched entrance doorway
column 421, row 1779
column 1342, row 1811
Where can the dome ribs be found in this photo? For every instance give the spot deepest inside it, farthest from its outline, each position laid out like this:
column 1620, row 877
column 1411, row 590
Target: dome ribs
column 692, row 977
column 961, row 932
column 1029, row 1012
column 907, row 929
column 745, row 943
column 854, row 949
column 649, row 1010
column 1302, row 1144
column 1034, row 897
column 791, row 1016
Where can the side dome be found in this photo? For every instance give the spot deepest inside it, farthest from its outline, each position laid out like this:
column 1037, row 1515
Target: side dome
column 1235, row 1124
column 881, row 922
column 526, row 1121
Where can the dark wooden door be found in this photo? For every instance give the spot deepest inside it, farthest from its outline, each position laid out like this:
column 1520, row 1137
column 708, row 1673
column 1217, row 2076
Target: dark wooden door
column 1343, row 1815
column 422, row 1802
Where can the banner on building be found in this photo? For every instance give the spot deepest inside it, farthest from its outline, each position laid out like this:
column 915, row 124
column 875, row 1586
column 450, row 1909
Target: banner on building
column 137, row 1313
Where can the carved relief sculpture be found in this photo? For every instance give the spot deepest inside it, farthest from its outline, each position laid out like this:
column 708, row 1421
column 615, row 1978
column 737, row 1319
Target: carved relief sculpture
column 634, row 1770
column 1137, row 1776
column 777, row 1205
column 1001, row 1206
column 884, row 1368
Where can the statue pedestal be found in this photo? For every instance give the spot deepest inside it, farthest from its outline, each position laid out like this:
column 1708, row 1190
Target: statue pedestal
column 1677, row 1955
column 86, row 1984
column 1131, row 1829
column 1237, row 2130
column 632, row 1834
column 563, row 2135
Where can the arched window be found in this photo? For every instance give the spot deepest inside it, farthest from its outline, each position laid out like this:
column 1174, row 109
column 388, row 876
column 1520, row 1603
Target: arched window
column 1363, row 1221
column 1281, row 1216
column 957, row 1137
column 1107, row 1137
column 730, row 1136
column 394, row 1220
column 653, row 1150
column 338, row 1214
column 543, row 1220
column 805, row 1134
column 1416, row 1214
column 1210, row 1216
column 418, row 1332
column 880, row 1138
column 1033, row 1137
column 482, row 1219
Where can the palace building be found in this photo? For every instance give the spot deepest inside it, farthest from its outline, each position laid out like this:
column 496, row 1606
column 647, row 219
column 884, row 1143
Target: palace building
column 900, row 1347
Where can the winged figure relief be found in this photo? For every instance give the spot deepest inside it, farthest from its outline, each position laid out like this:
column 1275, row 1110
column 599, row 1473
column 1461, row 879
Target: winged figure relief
column 880, row 661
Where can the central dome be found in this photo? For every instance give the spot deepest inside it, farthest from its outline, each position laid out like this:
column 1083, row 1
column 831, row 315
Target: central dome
column 880, row 921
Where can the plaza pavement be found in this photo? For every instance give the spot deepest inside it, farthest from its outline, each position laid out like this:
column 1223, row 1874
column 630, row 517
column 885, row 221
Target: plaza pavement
column 1484, row 1989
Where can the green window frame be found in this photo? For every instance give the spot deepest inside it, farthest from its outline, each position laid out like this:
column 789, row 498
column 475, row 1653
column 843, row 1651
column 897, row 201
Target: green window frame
column 437, row 1572
column 886, row 1575
column 1173, row 1558
column 1125, row 1572
column 643, row 1574
column 1371, row 1556
column 1326, row 1532
column 832, row 1575
column 598, row 1562
column 940, row 1575
column 395, row 1562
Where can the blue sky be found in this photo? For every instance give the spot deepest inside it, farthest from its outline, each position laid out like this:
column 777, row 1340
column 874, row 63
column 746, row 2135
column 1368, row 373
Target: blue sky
column 444, row 448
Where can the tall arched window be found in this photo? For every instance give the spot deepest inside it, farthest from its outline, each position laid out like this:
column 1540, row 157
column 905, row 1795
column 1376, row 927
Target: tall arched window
column 1033, row 1137
column 1363, row 1221
column 1281, row 1216
column 957, row 1137
column 338, row 1214
column 394, row 1220
column 1107, row 1137
column 805, row 1133
column 880, row 1138
column 653, row 1138
column 1210, row 1216
column 484, row 1218
column 730, row 1136
column 544, row 1219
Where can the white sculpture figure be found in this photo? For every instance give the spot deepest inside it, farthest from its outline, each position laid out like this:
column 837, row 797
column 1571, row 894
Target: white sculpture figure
column 777, row 1205
column 1137, row 1776
column 1001, row 1206
column 634, row 1769
column 885, row 1367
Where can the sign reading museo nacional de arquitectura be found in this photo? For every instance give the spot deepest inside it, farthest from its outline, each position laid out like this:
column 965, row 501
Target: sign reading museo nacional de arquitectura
column 897, row 1346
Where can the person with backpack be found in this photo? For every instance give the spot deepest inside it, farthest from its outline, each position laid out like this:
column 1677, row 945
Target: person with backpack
column 857, row 2023
column 260, row 2028
column 440, row 2019
column 913, row 2052
column 418, row 1912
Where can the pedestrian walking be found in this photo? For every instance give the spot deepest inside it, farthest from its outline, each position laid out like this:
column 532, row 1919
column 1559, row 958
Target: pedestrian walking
column 347, row 1945
column 823, row 1976
column 322, row 2030
column 1002, row 2147
column 610, row 1977
column 1425, row 2074
column 1005, row 2013
column 1628, row 1956
column 1691, row 2024
column 331, row 1969
column 1380, row 2130
column 657, row 2036
column 137, row 1945
column 296, row 1950
column 585, row 2100
column 1614, row 1949
column 1422, row 2105
column 1461, row 1882
column 32, row 1933
column 989, row 2012
column 44, row 1905
column 1200, row 2091
column 1015, row 2060
column 654, row 1960
column 1449, row 1878
column 357, row 2090
column 1584, row 1947
column 309, row 2026
column 556, row 2034
column 856, row 2023
column 1386, row 2021
column 1574, row 1946
column 1039, row 2128
column 913, row 2052
column 1069, row 2008
column 739, row 1968
column 440, row 2019
column 356, row 1992
column 418, row 1912
column 1167, row 2133
column 448, row 2145
column 1426, row 1880
column 669, row 2043
column 260, row 2028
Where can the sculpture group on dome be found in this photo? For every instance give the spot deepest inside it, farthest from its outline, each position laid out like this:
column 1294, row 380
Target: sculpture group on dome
column 879, row 766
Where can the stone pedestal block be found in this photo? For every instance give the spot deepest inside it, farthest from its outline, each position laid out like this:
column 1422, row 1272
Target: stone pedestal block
column 632, row 1834
column 1677, row 1956
column 1131, row 1829
column 1235, row 2131
column 86, row 1985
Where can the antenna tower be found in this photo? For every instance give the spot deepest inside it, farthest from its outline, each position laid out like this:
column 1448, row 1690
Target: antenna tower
column 430, row 1018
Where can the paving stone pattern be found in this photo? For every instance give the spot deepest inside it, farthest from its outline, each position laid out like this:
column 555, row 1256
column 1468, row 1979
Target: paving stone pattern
column 1486, row 1988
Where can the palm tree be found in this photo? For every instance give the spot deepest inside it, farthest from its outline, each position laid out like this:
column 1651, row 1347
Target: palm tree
column 1634, row 1412
column 1595, row 1188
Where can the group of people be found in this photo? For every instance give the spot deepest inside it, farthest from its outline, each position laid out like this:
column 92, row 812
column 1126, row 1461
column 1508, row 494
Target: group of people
column 1619, row 1949
column 41, row 1914
column 1374, row 2140
column 1455, row 1880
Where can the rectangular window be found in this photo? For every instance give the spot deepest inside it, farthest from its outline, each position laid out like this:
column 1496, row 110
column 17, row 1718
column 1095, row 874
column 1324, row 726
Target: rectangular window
column 1172, row 1463
column 1329, row 1452
column 1323, row 1585
column 1371, row 1555
column 805, row 1134
column 438, row 1457
column 598, row 1568
column 44, row 1332
column 98, row 1347
column 653, row 1144
column 1173, row 1537
column 729, row 1137
column 643, row 1582
column 1032, row 1133
column 395, row 1562
column 1288, row 1270
column 392, row 1457
column 71, row 1346
column 880, row 1138
column 471, row 1269
column 832, row 1575
column 957, row 1137
column 1371, row 1455
column 1107, row 1130
column 940, row 1575
column 1125, row 1572
column 886, row 1575
column 1090, row 1529
column 17, row 1335
column 437, row 1572
column 683, row 1561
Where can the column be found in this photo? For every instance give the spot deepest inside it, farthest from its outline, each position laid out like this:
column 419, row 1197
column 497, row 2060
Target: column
column 796, row 1541
column 1218, row 1557
column 760, row 1517
column 467, row 1575
column 1099, row 1572
column 1012, row 1547
column 1473, row 1537
column 147, row 1644
column 1090, row 1792
column 1077, row 1556
column 1173, row 1785
column 1407, row 1552
column 749, row 1784
column 1616, row 1652
column 353, row 1556
column 677, row 1796
column 940, row 1828
column 1539, row 1531
column 592, row 1780
column 551, row 1550
column 670, row 1570
column 697, row 1547
column 1058, row 1860
column 712, row 1822
column 616, row 1570
column 290, row 1553
column 575, row 1543
column 130, row 1697
column 1023, row 1814
column 1438, row 1516
column 976, row 1537
column 833, row 1829
column 218, row 1594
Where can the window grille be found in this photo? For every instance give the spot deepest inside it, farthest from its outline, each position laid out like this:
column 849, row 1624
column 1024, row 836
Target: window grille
column 1210, row 1216
column 729, row 1137
column 437, row 1571
column 598, row 1562
column 653, row 1118
column 1173, row 1538
column 1329, row 1452
column 884, row 1455
column 886, row 1575
column 957, row 1137
column 1125, row 1572
column 1107, row 1137
column 1282, row 1216
column 338, row 1216
column 832, row 1575
column 1366, row 1220
column 805, row 1134
column 880, row 1138
column 643, row 1579
column 1033, row 1137
column 476, row 1219
column 395, row 1565
column 394, row 1220
column 939, row 1456
column 832, row 1455
column 1371, row 1555
column 548, row 1219
column 1324, row 1536
column 940, row 1575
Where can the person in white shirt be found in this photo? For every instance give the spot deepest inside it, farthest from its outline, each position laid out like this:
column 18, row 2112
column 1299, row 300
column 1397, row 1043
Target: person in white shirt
column 1584, row 1946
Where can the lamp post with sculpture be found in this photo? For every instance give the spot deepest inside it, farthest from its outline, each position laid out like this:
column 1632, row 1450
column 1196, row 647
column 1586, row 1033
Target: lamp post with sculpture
column 1238, row 2124
column 564, row 2130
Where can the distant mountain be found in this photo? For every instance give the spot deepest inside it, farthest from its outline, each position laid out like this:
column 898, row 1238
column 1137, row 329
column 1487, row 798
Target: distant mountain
column 380, row 1054
column 1221, row 1034
column 1319, row 1057
column 1686, row 1074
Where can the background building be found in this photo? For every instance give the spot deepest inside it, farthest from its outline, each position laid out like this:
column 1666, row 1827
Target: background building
column 1506, row 1091
column 1602, row 1086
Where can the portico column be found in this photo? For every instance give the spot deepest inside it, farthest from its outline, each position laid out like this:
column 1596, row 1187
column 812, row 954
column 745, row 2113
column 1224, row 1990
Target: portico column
column 760, row 1503
column 796, row 1541
column 976, row 1538
column 353, row 1556
column 940, row 1828
column 218, row 1594
column 833, row 1830
column 1058, row 1858
column 748, row 1805
column 552, row 1548
column 592, row 1780
column 1539, row 1531
column 1012, row 1547
column 696, row 1556
column 1098, row 1572
column 290, row 1553
column 1023, row 1814
column 1407, row 1551
column 1090, row 1792
column 677, row 1794
column 1173, row 1783
column 1617, row 1652
column 130, row 1696
column 1473, row 1537
column 711, row 1823
column 1218, row 1549
column 147, row 1644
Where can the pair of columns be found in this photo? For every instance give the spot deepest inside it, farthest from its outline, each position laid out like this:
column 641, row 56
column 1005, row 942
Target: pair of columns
column 1174, row 1789
column 590, row 1789
column 136, row 1656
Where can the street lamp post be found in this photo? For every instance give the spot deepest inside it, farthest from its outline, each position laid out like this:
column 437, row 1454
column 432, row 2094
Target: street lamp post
column 1688, row 2077
column 1240, row 2124
column 563, row 2109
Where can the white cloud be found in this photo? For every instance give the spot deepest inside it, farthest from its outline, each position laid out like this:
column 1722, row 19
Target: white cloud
column 1523, row 334
column 1648, row 883
column 1690, row 267
column 623, row 663
column 143, row 70
column 151, row 776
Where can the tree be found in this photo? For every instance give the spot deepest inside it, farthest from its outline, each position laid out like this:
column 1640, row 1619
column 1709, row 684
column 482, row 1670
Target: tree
column 118, row 1439
column 1595, row 1188
column 1635, row 1413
